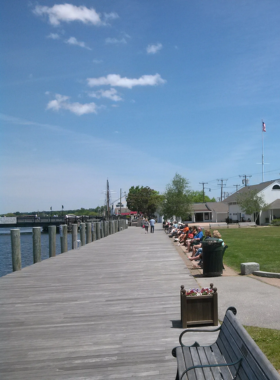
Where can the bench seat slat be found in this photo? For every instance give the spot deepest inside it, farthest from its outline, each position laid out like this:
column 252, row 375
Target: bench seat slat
column 220, row 359
column 184, row 361
column 196, row 361
column 211, row 358
column 259, row 365
column 204, row 361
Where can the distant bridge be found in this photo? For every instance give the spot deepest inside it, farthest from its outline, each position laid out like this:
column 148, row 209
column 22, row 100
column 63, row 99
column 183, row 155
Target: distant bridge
column 44, row 222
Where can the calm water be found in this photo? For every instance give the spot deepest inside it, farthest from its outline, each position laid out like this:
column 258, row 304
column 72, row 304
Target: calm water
column 26, row 248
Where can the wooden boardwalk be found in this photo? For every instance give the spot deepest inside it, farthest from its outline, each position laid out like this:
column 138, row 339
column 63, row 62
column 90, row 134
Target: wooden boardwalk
column 109, row 310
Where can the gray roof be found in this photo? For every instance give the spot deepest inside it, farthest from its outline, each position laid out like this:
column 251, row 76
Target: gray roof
column 210, row 206
column 274, row 205
column 200, row 207
column 218, row 207
column 258, row 188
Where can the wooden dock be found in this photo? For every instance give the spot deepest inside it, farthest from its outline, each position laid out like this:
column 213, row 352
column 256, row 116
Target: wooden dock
column 109, row 310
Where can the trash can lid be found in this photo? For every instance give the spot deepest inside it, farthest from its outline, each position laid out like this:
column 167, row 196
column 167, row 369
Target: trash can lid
column 211, row 241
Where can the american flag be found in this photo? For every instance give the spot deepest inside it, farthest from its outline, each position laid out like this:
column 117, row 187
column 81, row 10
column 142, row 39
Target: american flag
column 263, row 127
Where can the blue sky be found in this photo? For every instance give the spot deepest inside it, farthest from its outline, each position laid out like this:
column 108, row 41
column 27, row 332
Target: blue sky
column 134, row 91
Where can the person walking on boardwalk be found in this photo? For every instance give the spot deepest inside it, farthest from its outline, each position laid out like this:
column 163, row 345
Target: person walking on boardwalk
column 146, row 224
column 152, row 224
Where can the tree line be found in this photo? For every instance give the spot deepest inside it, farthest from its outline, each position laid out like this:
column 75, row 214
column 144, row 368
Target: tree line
column 176, row 200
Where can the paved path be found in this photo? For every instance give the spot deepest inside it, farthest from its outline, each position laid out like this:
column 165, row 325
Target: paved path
column 109, row 310
column 257, row 303
column 256, row 299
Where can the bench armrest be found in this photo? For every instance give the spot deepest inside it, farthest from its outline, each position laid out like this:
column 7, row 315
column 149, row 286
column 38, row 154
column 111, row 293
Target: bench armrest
column 195, row 330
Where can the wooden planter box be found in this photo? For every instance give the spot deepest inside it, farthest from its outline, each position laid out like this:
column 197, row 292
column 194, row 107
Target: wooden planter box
column 199, row 310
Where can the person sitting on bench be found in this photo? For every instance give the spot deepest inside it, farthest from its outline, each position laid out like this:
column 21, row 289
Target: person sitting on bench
column 199, row 256
column 197, row 238
column 198, row 247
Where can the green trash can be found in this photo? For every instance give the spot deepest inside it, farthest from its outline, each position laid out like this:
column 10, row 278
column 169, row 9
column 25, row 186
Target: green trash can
column 213, row 252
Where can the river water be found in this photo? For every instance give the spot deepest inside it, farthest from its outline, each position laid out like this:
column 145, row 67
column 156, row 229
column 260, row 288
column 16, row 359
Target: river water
column 26, row 248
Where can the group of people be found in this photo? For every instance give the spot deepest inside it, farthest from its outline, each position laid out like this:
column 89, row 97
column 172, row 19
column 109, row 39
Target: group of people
column 191, row 238
column 148, row 223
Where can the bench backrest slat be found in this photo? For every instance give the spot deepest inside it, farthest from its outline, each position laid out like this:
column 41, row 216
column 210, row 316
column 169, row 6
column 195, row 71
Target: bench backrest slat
column 227, row 346
column 254, row 364
column 250, row 361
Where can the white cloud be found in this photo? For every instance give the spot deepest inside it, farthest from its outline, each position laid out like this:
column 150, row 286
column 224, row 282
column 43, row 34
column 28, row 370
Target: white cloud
column 68, row 13
column 153, row 49
column 109, row 94
column 115, row 41
column 97, row 61
column 54, row 36
column 111, row 16
column 74, row 41
column 61, row 102
column 115, row 80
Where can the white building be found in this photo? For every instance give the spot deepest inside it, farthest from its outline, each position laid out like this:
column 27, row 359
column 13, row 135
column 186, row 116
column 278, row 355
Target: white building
column 205, row 213
column 209, row 212
column 270, row 191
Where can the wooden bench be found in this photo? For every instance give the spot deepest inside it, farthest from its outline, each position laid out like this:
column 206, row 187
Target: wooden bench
column 234, row 355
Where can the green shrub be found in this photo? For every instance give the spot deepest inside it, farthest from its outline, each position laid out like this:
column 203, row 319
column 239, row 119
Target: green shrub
column 276, row 222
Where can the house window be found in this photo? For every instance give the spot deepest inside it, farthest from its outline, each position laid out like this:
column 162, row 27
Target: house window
column 276, row 187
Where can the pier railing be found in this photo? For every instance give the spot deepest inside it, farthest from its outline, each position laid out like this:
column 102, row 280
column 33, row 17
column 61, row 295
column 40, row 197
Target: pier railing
column 89, row 232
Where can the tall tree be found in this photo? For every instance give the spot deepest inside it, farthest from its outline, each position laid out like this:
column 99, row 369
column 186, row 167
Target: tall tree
column 143, row 199
column 197, row 197
column 251, row 203
column 178, row 200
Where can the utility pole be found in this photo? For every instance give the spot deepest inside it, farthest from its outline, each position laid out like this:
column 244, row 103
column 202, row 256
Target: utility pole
column 203, row 183
column 120, row 202
column 222, row 186
column 245, row 181
column 237, row 186
column 226, row 194
column 108, row 201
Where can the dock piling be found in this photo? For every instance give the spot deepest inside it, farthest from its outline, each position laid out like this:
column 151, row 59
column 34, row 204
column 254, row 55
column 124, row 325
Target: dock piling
column 74, row 236
column 36, row 234
column 63, row 238
column 16, row 252
column 52, row 240
column 88, row 233
column 83, row 234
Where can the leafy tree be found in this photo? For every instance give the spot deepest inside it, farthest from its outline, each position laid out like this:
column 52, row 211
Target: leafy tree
column 178, row 199
column 251, row 203
column 197, row 197
column 143, row 199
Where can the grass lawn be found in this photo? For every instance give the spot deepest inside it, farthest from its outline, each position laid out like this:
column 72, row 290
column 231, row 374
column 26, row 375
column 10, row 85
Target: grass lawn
column 260, row 245
column 268, row 341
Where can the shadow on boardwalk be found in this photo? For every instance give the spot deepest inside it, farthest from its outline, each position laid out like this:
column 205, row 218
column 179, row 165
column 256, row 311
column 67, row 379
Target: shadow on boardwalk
column 107, row 310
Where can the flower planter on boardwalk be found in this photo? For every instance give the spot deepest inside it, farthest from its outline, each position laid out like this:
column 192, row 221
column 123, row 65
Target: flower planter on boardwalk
column 199, row 309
